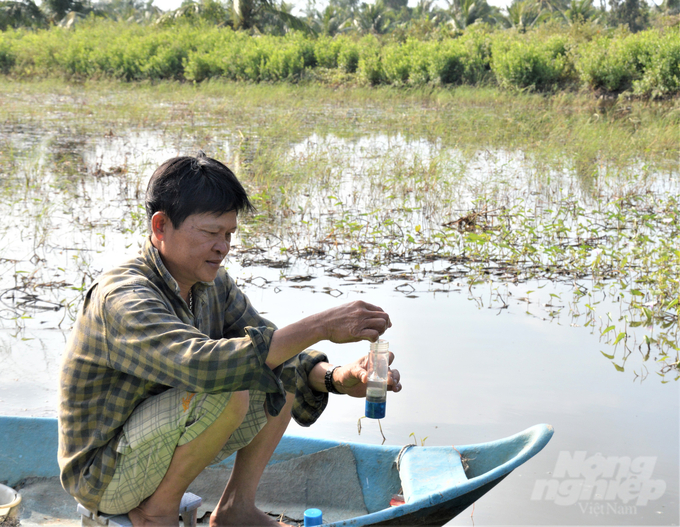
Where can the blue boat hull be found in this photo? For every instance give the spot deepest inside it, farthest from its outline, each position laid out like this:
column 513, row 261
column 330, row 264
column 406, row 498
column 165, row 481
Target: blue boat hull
column 438, row 515
column 438, row 483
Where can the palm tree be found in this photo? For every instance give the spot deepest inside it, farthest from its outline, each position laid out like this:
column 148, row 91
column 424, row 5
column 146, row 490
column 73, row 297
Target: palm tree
column 423, row 9
column 212, row 11
column 464, row 13
column 580, row 11
column 633, row 13
column 373, row 18
column 552, row 6
column 250, row 14
column 57, row 10
column 670, row 7
column 332, row 20
column 139, row 11
column 347, row 8
column 524, row 14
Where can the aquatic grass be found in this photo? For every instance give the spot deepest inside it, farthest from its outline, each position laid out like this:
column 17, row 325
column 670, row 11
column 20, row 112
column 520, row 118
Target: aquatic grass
column 508, row 235
column 430, row 187
column 609, row 131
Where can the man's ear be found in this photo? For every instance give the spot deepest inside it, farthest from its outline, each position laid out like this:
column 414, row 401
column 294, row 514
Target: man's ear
column 159, row 225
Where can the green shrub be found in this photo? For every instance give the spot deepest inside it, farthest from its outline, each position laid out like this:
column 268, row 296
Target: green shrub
column 420, row 57
column 7, row 56
column 76, row 58
column 530, row 64
column 34, row 52
column 326, row 51
column 198, row 67
column 370, row 68
column 447, row 62
column 305, row 48
column 396, row 65
column 282, row 62
column 646, row 62
column 348, row 56
column 609, row 63
column 476, row 59
column 660, row 66
column 661, row 76
column 166, row 63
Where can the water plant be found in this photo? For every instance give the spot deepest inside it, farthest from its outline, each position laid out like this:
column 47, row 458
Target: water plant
column 447, row 200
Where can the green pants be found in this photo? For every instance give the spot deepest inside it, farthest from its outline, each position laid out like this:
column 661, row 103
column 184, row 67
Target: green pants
column 156, row 428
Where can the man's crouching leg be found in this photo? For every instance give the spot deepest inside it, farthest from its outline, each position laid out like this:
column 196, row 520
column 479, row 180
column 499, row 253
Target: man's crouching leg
column 188, row 461
column 237, row 504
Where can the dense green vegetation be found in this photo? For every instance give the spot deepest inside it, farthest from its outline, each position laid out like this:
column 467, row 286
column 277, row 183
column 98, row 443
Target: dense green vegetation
column 540, row 45
column 646, row 63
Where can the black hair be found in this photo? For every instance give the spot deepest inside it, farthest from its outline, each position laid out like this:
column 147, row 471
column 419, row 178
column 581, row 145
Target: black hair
column 183, row 186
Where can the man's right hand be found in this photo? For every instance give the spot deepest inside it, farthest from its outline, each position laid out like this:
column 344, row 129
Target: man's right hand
column 354, row 322
column 350, row 322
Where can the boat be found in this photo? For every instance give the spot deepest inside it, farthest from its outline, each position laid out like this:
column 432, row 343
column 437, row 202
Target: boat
column 354, row 484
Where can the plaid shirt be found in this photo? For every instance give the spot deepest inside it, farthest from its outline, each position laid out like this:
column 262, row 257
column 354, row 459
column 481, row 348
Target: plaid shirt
column 135, row 337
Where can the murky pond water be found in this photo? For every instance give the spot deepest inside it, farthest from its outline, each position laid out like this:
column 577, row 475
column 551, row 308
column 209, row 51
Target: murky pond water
column 485, row 350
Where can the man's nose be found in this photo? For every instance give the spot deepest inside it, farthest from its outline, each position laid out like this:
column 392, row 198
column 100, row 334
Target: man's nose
column 222, row 247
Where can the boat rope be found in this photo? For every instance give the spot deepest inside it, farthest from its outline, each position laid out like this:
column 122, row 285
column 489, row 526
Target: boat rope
column 401, row 453
column 463, row 460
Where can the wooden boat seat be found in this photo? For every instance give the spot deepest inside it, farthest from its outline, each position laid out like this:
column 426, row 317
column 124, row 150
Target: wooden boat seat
column 425, row 471
column 188, row 510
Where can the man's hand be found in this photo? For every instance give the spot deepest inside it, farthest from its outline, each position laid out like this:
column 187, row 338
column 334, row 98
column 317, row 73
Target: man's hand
column 354, row 322
column 347, row 323
column 352, row 378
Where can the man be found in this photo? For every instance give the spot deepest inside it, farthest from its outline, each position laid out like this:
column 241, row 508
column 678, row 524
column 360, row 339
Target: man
column 169, row 367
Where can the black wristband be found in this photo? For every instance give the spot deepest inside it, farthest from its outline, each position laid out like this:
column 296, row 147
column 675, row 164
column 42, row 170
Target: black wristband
column 328, row 381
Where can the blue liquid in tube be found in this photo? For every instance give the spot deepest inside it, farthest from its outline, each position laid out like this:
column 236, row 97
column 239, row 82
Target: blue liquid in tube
column 376, row 391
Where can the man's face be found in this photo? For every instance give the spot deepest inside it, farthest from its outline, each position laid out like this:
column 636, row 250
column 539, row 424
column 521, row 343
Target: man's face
column 194, row 252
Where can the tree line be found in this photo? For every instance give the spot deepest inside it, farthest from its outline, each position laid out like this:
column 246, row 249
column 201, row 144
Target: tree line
column 382, row 17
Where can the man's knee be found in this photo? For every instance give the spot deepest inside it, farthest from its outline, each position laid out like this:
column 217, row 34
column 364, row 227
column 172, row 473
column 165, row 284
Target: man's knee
column 238, row 405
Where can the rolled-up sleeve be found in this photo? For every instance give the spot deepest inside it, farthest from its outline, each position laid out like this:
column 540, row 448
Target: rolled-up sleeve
column 309, row 404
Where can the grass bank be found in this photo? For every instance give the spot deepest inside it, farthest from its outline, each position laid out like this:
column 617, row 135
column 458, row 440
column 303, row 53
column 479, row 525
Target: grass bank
column 573, row 128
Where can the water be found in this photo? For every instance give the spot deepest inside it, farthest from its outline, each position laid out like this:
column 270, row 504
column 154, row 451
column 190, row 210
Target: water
column 477, row 362
column 376, row 399
column 487, row 374
column 375, row 391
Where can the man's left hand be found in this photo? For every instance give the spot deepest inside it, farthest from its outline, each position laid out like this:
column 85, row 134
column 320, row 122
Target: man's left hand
column 352, row 378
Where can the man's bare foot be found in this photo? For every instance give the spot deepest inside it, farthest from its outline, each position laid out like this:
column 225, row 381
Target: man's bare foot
column 242, row 517
column 141, row 517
